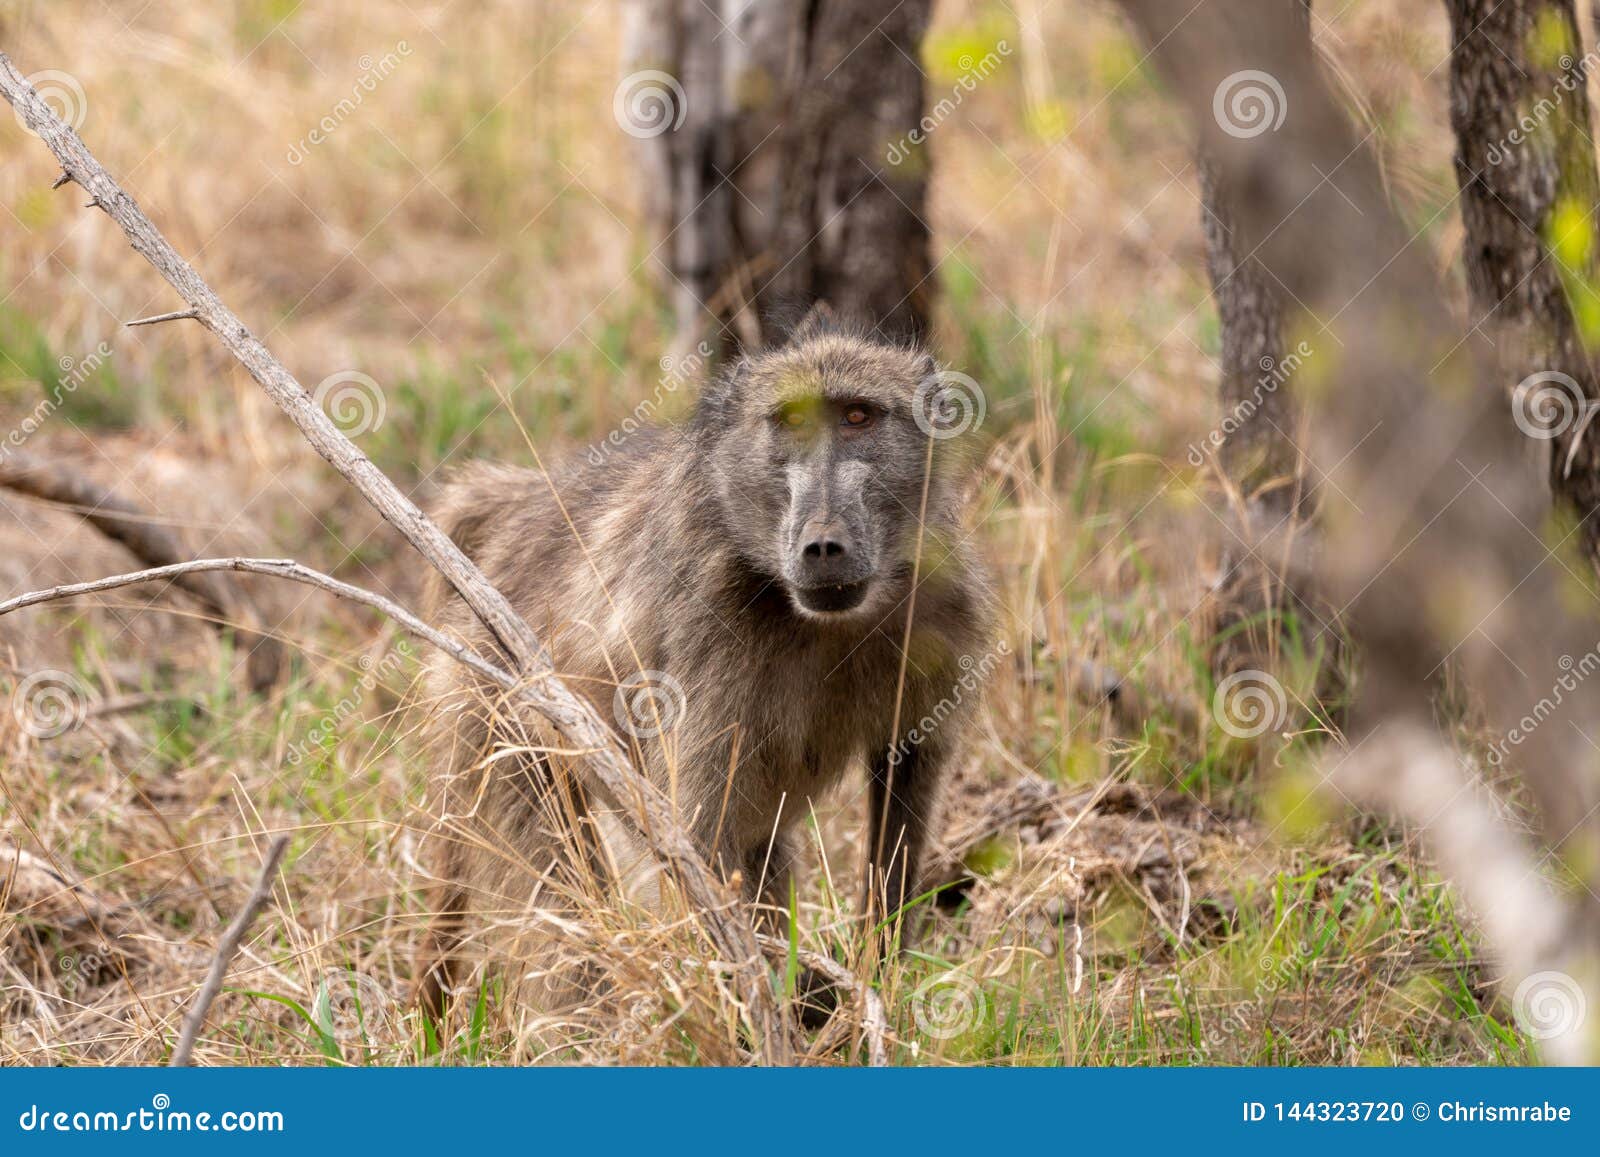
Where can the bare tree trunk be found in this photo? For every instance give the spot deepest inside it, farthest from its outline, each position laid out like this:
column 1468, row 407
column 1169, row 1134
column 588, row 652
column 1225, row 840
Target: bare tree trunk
column 1258, row 450
column 850, row 227
column 1268, row 574
column 673, row 100
column 770, row 179
column 1257, row 428
column 1527, row 202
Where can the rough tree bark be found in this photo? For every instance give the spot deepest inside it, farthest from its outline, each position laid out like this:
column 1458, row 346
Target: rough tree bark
column 1528, row 197
column 774, row 189
column 1267, row 565
column 1259, row 451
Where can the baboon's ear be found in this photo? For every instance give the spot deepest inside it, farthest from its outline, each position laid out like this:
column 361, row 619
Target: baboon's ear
column 819, row 319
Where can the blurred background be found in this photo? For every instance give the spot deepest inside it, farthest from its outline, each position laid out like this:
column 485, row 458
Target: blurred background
column 467, row 248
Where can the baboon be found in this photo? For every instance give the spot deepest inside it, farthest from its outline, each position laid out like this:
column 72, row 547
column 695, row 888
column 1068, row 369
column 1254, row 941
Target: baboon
column 734, row 592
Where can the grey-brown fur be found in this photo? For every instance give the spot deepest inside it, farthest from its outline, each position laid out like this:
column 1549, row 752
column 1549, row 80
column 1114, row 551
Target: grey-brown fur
column 681, row 551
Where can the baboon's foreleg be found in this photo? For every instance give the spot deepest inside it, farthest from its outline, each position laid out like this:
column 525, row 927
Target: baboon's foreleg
column 904, row 788
column 768, row 871
column 440, row 959
column 769, row 874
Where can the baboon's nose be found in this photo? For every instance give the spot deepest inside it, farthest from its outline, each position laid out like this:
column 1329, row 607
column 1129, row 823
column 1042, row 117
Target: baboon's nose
column 824, row 548
column 825, row 553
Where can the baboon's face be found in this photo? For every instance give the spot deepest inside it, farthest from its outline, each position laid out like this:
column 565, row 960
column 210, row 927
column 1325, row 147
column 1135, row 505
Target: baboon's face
column 820, row 464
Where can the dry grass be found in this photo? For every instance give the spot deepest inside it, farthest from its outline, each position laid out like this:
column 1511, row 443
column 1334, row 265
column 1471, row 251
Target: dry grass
column 1144, row 888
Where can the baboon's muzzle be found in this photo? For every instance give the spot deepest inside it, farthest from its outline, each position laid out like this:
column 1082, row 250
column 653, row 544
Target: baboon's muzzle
column 833, row 598
column 831, row 571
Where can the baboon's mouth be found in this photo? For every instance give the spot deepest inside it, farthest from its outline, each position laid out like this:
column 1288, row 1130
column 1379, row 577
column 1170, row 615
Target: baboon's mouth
column 832, row 597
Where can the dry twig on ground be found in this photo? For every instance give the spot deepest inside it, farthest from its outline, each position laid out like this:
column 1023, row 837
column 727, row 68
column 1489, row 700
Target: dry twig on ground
column 227, row 947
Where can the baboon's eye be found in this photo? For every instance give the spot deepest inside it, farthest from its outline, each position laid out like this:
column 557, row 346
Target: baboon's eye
column 856, row 416
column 793, row 417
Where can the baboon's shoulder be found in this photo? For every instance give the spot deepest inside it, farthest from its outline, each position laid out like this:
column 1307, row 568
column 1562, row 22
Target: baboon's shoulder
column 476, row 499
column 521, row 525
column 480, row 505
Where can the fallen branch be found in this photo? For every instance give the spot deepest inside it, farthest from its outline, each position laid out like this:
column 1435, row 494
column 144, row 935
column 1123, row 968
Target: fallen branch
column 227, row 947
column 32, row 888
column 123, row 521
column 874, row 1020
column 612, row 774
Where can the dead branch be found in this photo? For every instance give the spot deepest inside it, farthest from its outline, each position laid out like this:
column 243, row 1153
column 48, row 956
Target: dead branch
column 284, row 568
column 127, row 523
column 29, row 886
column 613, row 776
column 226, row 948
column 874, row 1020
